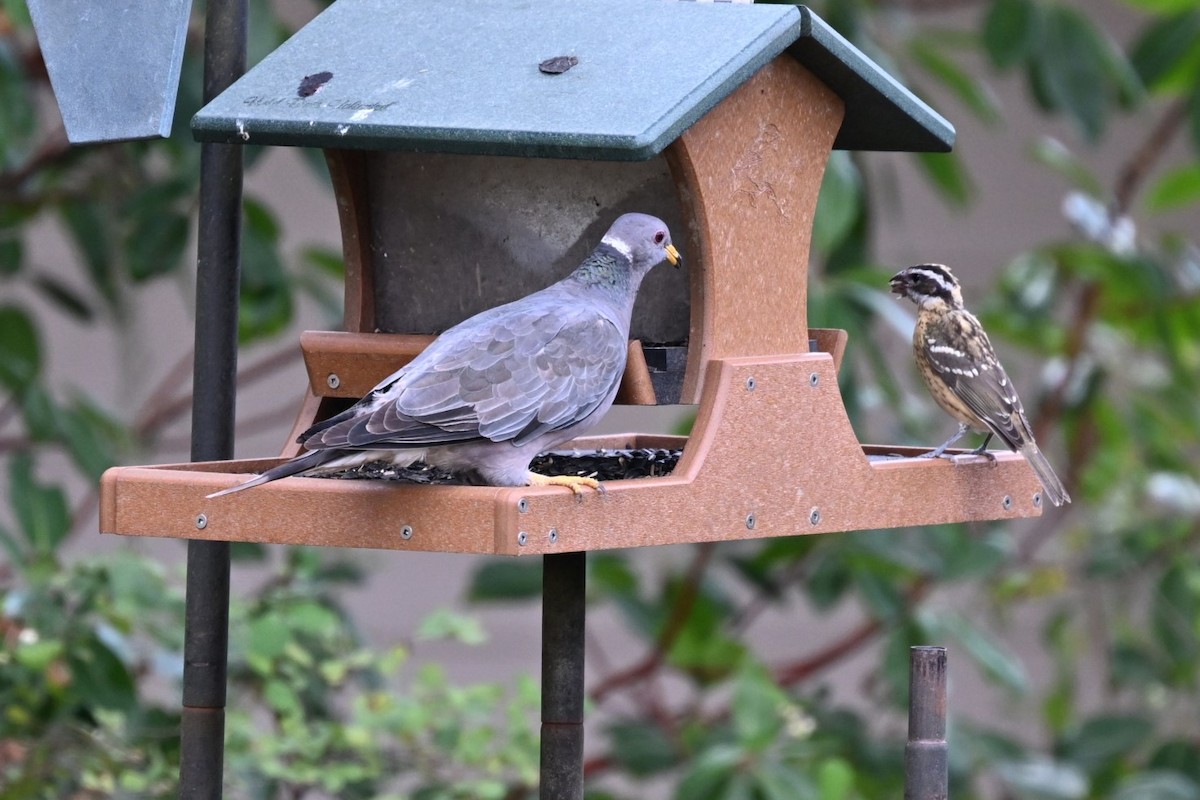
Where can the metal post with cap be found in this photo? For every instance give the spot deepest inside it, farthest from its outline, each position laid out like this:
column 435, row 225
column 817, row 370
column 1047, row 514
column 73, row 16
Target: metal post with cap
column 564, row 584
column 218, row 268
column 926, row 755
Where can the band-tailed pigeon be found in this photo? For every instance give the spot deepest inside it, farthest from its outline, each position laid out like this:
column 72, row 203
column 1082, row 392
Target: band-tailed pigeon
column 495, row 390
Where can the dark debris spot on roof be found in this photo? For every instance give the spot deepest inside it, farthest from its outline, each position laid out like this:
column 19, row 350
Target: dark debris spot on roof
column 558, row 65
column 311, row 84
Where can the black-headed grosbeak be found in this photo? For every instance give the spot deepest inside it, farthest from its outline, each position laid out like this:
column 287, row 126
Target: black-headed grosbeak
column 963, row 374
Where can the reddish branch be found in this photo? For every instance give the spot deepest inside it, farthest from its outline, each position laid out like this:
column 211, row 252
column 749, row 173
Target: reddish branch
column 1135, row 171
column 681, row 609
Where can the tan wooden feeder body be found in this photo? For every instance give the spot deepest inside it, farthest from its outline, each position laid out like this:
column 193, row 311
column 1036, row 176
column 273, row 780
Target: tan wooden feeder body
column 772, row 451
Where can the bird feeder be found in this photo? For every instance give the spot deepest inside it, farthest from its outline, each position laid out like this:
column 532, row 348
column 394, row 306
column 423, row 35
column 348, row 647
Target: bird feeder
column 477, row 152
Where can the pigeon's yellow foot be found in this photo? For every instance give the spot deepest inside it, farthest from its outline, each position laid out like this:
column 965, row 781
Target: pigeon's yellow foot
column 573, row 482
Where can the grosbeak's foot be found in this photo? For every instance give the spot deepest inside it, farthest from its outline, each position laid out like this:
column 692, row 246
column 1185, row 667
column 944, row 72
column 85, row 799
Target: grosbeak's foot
column 575, row 483
column 984, row 454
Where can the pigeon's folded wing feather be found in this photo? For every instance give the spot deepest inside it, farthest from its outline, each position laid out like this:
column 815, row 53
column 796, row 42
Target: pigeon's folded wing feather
column 511, row 377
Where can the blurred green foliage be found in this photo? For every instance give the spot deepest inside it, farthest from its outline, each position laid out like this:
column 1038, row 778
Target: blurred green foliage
column 1110, row 316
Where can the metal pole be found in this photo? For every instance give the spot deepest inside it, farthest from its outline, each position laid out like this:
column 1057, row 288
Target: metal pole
column 926, row 765
column 564, row 586
column 218, row 273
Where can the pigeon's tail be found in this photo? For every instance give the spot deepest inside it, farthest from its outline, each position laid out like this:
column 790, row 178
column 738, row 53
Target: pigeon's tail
column 1056, row 493
column 304, row 463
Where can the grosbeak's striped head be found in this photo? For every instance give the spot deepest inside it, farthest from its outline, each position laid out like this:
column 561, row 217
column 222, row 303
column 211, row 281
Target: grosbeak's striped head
column 928, row 285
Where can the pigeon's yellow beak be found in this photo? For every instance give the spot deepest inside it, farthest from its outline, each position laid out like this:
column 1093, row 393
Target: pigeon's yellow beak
column 673, row 256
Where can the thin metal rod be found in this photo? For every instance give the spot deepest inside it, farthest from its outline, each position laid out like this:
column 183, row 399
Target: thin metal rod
column 564, row 589
column 218, row 274
column 926, row 756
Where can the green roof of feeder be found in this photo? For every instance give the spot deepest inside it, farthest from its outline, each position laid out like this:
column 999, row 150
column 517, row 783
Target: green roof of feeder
column 462, row 76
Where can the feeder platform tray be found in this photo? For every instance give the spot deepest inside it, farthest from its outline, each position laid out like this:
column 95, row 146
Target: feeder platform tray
column 748, row 474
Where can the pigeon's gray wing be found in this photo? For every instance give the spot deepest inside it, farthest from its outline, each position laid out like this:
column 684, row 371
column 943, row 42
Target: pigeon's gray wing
column 511, row 375
column 969, row 366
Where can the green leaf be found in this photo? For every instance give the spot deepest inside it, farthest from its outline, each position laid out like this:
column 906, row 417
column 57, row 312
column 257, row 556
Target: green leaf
column 38, row 655
column 839, row 204
column 1157, row 785
column 1077, row 70
column 90, row 437
column 1168, row 49
column 505, row 580
column 947, row 175
column 1163, row 6
column 42, row 416
column 247, row 552
column 18, row 14
column 1107, row 737
column 89, row 231
column 970, row 91
column 835, row 779
column 1043, row 780
column 16, row 554
column 100, row 676
column 776, row 781
column 268, row 636
column 1179, row 187
column 325, row 260
column 1054, row 154
column 20, row 352
column 992, row 657
column 757, row 706
column 41, row 510
column 18, row 113
column 642, row 749
column 1193, row 108
column 1180, row 756
column 610, row 574
column 828, row 581
column 445, row 624
column 155, row 245
column 63, row 296
column 710, row 775
column 12, row 253
column 313, row 619
column 281, row 697
column 1175, row 608
column 702, row 647
column 266, row 297
column 1010, row 31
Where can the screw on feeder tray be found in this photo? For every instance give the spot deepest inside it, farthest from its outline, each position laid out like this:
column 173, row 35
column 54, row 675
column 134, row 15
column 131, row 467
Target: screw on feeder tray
column 751, row 521
column 522, row 538
column 814, row 516
column 201, row 521
column 1007, row 502
column 1037, row 499
column 523, row 505
column 751, row 384
column 333, row 380
column 406, row 532
column 813, row 380
column 553, row 535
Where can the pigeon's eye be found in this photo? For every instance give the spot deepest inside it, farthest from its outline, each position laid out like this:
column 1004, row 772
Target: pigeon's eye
column 660, row 237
